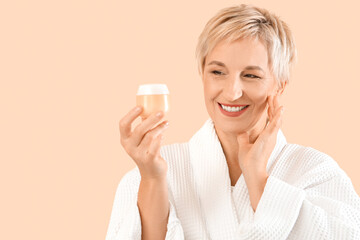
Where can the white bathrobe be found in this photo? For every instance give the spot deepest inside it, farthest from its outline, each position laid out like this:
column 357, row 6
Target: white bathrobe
column 307, row 196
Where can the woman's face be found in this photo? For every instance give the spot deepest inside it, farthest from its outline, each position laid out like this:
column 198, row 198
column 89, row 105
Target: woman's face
column 237, row 73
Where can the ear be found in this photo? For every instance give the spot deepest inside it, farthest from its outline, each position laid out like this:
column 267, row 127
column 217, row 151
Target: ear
column 282, row 87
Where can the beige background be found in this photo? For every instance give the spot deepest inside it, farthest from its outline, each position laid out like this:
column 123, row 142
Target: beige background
column 69, row 71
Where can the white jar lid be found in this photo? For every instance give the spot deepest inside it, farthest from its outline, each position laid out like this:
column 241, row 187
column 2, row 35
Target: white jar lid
column 151, row 89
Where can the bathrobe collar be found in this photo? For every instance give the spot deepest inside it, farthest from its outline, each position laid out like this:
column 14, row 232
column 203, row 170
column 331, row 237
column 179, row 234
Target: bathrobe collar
column 212, row 180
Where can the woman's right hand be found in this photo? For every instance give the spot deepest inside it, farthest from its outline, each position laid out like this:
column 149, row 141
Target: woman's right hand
column 144, row 142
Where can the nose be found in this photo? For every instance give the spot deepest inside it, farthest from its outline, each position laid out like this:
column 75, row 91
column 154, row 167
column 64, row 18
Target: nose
column 233, row 89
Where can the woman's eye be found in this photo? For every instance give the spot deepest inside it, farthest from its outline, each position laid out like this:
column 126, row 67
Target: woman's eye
column 251, row 76
column 216, row 72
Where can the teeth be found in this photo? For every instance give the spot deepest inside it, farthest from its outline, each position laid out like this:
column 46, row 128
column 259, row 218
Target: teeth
column 232, row 109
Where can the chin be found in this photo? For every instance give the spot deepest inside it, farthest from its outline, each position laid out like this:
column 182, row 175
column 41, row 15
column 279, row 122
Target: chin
column 233, row 127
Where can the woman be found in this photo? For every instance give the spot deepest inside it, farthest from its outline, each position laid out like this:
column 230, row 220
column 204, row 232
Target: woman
column 237, row 177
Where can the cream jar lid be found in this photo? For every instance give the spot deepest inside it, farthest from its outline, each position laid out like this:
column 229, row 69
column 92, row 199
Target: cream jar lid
column 151, row 89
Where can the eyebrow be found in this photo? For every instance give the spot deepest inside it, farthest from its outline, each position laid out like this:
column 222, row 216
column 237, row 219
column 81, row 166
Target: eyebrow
column 246, row 68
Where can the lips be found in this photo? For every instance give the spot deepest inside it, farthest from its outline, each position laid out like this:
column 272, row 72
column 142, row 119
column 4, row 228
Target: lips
column 231, row 105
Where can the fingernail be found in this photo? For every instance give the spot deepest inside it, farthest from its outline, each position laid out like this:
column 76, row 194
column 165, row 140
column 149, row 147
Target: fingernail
column 159, row 114
column 282, row 110
column 137, row 109
column 166, row 124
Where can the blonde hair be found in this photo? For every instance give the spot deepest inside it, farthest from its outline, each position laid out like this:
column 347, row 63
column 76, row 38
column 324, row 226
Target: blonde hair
column 241, row 21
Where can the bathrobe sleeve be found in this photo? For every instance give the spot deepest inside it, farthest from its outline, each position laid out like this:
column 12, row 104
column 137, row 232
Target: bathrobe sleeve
column 321, row 204
column 125, row 222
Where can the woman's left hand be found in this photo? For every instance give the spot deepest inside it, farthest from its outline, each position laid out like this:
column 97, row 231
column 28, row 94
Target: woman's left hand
column 254, row 157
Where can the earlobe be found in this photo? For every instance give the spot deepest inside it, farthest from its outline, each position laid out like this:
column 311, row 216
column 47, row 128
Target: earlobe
column 282, row 88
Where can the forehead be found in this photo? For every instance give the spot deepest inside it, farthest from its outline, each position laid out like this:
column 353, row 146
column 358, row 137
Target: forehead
column 240, row 53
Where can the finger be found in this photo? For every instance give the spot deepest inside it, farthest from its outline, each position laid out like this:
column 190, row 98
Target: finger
column 271, row 107
column 125, row 122
column 151, row 135
column 148, row 124
column 277, row 101
column 243, row 139
column 277, row 121
column 273, row 104
column 155, row 145
column 268, row 116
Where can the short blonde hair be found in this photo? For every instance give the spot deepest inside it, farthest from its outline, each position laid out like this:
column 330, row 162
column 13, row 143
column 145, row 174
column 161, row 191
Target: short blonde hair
column 241, row 21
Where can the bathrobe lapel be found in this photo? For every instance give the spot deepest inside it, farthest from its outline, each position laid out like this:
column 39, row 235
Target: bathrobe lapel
column 212, row 181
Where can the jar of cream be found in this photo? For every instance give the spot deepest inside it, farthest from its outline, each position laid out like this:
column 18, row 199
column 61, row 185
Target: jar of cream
column 153, row 98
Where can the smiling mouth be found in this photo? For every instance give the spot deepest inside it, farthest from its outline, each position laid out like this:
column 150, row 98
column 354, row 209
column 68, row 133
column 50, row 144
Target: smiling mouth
column 238, row 108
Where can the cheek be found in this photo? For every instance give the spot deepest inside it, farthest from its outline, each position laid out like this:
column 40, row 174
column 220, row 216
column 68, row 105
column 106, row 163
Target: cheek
column 258, row 95
column 210, row 90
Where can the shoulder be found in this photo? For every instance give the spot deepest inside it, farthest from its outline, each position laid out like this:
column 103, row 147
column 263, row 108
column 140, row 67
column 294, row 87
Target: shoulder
column 307, row 157
column 303, row 162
